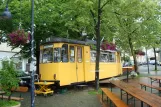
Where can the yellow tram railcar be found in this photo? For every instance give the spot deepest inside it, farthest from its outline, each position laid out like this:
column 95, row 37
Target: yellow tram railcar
column 71, row 61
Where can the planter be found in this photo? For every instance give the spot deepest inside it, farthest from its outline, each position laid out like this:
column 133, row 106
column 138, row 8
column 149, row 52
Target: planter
column 108, row 46
column 18, row 38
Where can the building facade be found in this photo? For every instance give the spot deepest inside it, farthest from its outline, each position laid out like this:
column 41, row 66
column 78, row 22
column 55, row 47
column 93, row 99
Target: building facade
column 6, row 52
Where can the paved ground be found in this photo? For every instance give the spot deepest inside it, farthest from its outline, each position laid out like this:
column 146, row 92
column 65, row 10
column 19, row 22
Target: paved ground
column 72, row 98
column 81, row 98
column 142, row 78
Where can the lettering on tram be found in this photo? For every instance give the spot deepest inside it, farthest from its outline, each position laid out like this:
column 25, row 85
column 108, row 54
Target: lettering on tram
column 67, row 62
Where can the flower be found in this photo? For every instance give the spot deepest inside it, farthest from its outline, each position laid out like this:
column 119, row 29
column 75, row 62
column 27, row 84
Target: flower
column 139, row 52
column 108, row 46
column 18, row 37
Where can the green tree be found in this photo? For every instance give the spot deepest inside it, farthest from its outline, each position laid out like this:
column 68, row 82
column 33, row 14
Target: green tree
column 132, row 16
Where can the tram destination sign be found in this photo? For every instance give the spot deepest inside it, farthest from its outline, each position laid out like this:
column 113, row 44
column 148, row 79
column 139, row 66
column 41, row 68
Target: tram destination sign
column 48, row 46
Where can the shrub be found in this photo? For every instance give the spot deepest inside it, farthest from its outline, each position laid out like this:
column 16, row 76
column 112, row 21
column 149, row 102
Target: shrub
column 8, row 77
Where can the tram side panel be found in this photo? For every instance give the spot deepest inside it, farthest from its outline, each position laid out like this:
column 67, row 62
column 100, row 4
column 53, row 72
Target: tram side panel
column 62, row 72
column 110, row 69
column 107, row 69
column 89, row 73
column 67, row 74
column 49, row 72
column 118, row 59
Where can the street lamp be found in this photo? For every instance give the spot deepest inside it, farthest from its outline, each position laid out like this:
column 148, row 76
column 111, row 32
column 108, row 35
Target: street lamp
column 7, row 13
column 32, row 55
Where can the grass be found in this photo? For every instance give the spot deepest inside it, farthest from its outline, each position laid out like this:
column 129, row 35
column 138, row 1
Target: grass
column 6, row 103
column 94, row 92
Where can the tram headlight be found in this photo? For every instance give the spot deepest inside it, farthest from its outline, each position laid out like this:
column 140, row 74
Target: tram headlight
column 54, row 76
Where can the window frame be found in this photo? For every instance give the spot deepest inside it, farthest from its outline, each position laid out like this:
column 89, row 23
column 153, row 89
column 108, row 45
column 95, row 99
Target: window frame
column 59, row 55
column 49, row 47
column 67, row 54
column 71, row 53
column 81, row 55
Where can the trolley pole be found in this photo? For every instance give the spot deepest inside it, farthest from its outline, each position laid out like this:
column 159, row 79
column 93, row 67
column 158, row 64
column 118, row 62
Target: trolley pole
column 32, row 55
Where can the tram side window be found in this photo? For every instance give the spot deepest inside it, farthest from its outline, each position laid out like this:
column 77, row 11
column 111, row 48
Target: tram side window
column 79, row 54
column 112, row 57
column 57, row 54
column 93, row 56
column 64, row 53
column 48, row 55
column 72, row 54
column 104, row 57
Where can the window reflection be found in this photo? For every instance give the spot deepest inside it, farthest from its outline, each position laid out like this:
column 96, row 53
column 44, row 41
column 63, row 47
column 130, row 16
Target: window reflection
column 72, row 54
column 64, row 53
column 47, row 55
column 105, row 56
column 79, row 54
column 57, row 54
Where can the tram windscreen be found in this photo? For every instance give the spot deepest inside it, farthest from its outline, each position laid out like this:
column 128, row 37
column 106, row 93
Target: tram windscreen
column 64, row 53
column 47, row 55
column 57, row 54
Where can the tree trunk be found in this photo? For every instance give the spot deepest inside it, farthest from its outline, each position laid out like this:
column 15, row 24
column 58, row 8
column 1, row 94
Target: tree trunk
column 147, row 60
column 9, row 97
column 97, row 30
column 155, row 58
column 124, row 57
column 133, row 54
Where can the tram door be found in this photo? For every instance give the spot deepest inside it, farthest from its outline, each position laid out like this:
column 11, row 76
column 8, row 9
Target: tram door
column 79, row 64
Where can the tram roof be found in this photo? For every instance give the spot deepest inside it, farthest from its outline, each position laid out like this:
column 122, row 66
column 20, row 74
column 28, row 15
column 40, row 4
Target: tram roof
column 72, row 41
column 65, row 40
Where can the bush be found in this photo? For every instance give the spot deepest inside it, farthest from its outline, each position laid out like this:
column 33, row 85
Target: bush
column 4, row 103
column 8, row 77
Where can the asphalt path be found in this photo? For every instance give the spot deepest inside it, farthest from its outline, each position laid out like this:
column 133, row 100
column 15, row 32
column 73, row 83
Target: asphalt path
column 143, row 69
